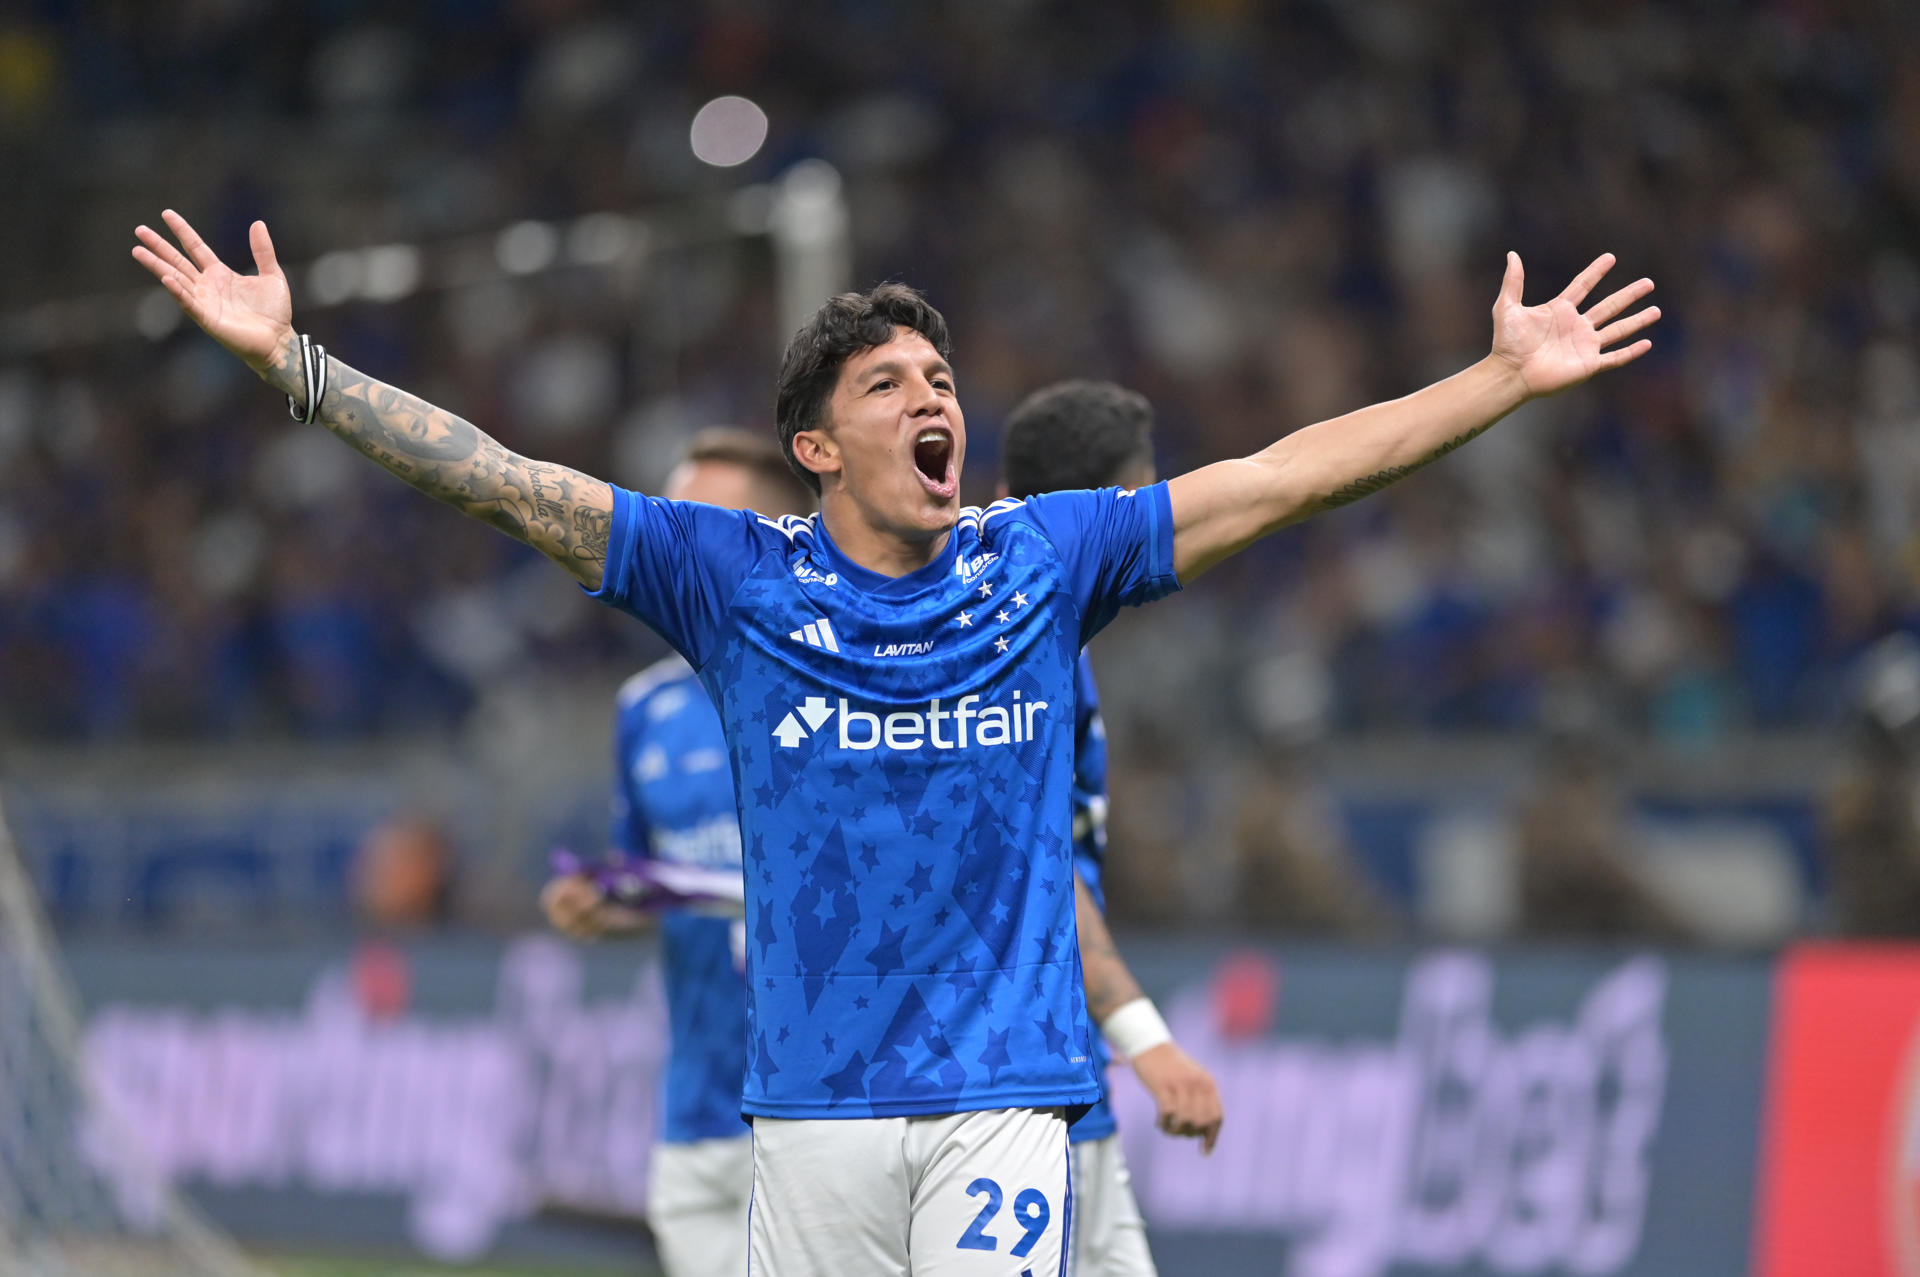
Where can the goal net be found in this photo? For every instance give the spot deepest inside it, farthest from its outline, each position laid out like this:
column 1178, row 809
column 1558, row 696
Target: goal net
column 58, row 1216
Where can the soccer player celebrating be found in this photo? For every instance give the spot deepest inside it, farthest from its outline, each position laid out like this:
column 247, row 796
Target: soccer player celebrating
column 896, row 681
column 1094, row 434
column 673, row 804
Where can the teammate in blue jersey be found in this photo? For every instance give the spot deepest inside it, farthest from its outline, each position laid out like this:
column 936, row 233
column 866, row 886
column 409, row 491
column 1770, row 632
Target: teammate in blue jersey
column 1089, row 434
column 895, row 677
column 673, row 804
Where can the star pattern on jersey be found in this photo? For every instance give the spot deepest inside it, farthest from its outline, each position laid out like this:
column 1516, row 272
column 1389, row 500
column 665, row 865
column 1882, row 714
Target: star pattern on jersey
column 850, row 892
column 996, row 1056
column 763, row 1065
column 885, row 956
column 1056, row 1037
column 927, row 1072
column 826, row 909
column 849, row 1082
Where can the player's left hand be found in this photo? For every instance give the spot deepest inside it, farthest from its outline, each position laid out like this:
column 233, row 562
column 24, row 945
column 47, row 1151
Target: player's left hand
column 1188, row 1100
column 1554, row 346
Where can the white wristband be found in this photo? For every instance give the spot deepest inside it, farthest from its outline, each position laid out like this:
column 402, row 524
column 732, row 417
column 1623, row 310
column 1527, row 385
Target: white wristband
column 1135, row 1029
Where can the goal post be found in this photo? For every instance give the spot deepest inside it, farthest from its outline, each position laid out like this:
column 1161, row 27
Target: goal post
column 58, row 1216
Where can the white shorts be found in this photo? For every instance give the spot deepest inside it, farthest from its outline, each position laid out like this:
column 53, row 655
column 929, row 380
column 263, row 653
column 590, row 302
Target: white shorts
column 1109, row 1237
column 985, row 1194
column 697, row 1206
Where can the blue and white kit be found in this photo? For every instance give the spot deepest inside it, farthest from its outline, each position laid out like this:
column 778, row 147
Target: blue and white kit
column 903, row 749
column 673, row 803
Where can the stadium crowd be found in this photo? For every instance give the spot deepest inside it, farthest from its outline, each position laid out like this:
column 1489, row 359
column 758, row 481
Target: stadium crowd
column 1258, row 215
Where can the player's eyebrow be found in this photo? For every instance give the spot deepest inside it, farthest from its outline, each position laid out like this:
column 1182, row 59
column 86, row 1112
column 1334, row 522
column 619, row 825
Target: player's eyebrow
column 894, row 368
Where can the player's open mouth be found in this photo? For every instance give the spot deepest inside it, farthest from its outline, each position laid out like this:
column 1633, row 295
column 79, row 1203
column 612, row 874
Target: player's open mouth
column 933, row 459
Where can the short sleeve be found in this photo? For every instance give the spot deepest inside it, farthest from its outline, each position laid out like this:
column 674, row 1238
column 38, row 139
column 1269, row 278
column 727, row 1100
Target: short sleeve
column 677, row 564
column 1116, row 545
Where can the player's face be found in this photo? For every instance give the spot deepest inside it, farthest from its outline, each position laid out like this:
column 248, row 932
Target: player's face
column 718, row 483
column 896, row 439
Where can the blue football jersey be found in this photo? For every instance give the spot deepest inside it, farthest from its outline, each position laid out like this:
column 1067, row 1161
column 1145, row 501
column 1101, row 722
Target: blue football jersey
column 1090, row 853
column 903, row 752
column 673, row 801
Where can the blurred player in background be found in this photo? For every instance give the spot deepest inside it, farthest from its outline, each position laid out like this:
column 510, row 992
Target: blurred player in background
column 893, row 676
column 673, row 803
column 1094, row 434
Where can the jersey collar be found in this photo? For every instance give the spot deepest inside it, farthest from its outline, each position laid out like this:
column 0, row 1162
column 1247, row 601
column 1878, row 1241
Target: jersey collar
column 871, row 582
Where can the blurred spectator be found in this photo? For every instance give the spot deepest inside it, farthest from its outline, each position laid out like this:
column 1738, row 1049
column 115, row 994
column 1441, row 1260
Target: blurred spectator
column 1577, row 877
column 1258, row 215
column 1296, row 875
column 1873, row 815
column 402, row 876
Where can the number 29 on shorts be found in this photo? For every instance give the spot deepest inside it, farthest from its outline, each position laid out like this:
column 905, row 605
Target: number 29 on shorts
column 1030, row 1212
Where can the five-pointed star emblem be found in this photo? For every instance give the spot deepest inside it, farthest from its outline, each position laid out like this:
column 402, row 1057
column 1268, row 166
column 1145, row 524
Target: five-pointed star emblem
column 965, row 619
column 1000, row 644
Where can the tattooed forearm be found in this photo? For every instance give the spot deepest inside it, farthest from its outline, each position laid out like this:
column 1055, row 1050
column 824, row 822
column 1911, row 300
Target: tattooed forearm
column 562, row 513
column 1110, row 985
column 1348, row 493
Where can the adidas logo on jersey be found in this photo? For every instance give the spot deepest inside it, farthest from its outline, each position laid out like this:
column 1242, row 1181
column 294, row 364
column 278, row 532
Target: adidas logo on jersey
column 966, row 725
column 807, row 574
column 816, row 634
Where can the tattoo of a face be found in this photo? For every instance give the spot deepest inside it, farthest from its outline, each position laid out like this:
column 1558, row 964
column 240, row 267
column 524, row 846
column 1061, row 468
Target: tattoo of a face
column 1348, row 493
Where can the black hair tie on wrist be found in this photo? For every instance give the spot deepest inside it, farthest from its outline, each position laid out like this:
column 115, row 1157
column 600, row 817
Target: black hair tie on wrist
column 313, row 364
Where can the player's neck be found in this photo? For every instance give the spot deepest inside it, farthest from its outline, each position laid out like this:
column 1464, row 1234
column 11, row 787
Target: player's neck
column 877, row 549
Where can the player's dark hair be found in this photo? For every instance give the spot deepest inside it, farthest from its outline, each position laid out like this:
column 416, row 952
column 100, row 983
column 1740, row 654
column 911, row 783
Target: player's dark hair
column 760, row 457
column 1075, row 434
column 839, row 330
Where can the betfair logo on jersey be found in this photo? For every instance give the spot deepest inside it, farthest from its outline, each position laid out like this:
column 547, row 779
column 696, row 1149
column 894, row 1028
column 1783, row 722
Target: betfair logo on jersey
column 966, row 725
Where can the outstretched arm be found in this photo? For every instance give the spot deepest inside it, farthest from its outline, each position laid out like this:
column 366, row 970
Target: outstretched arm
column 1220, row 509
column 563, row 513
column 1183, row 1092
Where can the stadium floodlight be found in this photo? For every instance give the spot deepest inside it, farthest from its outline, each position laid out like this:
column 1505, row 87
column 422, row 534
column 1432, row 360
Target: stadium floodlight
column 812, row 240
column 335, row 277
column 605, row 239
column 389, row 272
column 525, row 248
column 156, row 314
column 728, row 131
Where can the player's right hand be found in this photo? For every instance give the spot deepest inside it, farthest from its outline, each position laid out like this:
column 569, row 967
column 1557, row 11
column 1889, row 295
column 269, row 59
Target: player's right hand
column 251, row 315
column 574, row 907
column 1185, row 1093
